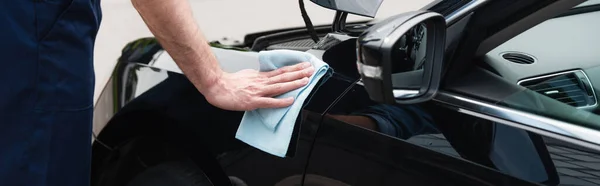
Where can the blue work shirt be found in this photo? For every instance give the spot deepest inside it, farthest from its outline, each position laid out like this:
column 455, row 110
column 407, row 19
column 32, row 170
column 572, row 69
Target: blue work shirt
column 401, row 121
column 46, row 99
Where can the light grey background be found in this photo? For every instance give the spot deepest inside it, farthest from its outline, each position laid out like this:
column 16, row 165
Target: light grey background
column 217, row 18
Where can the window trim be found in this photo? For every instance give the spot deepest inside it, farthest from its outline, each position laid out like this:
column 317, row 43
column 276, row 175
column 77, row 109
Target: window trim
column 549, row 127
column 464, row 11
column 580, row 10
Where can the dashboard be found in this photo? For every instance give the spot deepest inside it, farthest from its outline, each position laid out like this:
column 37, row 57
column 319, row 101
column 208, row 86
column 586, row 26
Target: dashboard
column 559, row 58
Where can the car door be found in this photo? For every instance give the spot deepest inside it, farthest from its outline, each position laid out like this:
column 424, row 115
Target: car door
column 161, row 117
column 365, row 143
column 525, row 83
column 360, row 142
column 443, row 143
column 544, row 81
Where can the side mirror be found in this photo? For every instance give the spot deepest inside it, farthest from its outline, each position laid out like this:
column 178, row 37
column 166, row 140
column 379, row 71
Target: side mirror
column 359, row 7
column 400, row 58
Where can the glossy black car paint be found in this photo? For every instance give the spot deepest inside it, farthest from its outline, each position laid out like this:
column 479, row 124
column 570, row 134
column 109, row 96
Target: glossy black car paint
column 171, row 121
column 175, row 114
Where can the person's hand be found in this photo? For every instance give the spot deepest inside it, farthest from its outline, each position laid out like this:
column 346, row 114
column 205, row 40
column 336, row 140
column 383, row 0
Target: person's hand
column 249, row 89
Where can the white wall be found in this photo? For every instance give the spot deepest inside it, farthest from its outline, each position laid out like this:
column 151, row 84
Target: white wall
column 217, row 18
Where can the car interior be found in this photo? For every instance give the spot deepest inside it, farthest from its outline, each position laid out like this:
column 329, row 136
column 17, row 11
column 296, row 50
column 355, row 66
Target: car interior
column 564, row 72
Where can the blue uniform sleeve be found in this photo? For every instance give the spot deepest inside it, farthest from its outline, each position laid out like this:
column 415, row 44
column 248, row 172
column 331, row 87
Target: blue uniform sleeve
column 402, row 121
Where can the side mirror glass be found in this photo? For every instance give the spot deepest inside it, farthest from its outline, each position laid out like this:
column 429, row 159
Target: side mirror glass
column 400, row 59
column 359, row 7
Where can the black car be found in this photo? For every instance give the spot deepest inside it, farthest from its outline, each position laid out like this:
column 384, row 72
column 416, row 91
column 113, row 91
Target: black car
column 461, row 92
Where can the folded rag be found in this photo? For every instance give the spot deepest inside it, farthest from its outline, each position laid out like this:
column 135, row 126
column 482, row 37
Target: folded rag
column 270, row 129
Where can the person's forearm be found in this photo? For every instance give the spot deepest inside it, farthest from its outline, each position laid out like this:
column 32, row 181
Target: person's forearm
column 173, row 25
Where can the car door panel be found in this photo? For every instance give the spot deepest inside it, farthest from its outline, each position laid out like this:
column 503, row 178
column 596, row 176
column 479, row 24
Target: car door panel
column 282, row 171
column 348, row 150
column 572, row 160
column 161, row 106
column 463, row 139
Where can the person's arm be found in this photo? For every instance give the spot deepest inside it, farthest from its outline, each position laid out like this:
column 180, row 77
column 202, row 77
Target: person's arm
column 173, row 25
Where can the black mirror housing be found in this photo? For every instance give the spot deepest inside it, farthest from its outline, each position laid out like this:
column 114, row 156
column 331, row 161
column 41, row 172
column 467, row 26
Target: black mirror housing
column 400, row 59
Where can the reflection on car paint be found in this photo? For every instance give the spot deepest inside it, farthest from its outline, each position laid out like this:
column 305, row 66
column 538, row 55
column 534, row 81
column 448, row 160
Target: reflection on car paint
column 512, row 151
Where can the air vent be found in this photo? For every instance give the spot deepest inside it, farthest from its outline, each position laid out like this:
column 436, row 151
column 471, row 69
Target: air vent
column 572, row 88
column 518, row 58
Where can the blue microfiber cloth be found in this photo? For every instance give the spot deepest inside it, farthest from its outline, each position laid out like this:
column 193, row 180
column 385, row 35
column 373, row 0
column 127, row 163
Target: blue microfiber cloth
column 270, row 129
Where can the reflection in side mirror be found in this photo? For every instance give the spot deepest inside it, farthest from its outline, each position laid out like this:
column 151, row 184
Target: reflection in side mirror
column 359, row 7
column 400, row 59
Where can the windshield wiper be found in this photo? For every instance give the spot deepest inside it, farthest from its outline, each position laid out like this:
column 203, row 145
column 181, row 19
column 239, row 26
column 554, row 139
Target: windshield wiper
column 308, row 23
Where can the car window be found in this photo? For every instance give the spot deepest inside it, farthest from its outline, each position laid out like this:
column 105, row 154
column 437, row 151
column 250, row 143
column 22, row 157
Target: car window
column 558, row 64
